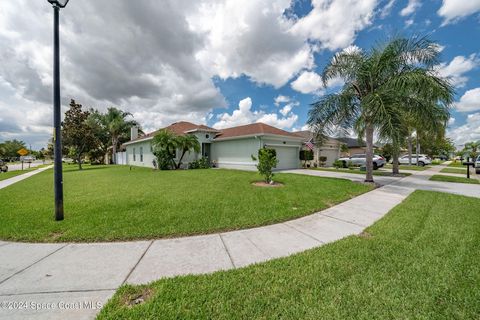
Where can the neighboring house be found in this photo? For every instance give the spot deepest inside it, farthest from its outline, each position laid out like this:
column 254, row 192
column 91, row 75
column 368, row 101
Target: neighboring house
column 354, row 145
column 227, row 148
column 330, row 148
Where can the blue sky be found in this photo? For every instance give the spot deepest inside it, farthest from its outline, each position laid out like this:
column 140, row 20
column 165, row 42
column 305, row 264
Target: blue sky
column 217, row 62
column 459, row 38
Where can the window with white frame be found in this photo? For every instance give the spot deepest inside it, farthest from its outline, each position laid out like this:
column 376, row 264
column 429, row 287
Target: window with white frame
column 134, row 156
column 141, row 154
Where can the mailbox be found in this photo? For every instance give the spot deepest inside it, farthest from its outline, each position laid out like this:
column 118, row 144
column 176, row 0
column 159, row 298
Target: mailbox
column 468, row 164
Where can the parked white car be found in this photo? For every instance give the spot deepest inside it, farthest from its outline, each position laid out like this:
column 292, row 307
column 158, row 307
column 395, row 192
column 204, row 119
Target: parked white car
column 477, row 165
column 422, row 160
column 361, row 160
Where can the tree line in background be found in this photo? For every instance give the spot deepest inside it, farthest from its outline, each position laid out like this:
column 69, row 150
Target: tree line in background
column 392, row 90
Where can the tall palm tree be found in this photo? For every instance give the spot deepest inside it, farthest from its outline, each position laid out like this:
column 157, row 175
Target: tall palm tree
column 117, row 125
column 379, row 84
column 186, row 143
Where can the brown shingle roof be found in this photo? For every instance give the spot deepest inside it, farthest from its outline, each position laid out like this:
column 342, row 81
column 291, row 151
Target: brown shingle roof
column 253, row 129
column 179, row 128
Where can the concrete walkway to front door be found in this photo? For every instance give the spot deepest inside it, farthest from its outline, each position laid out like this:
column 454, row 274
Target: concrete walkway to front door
column 73, row 280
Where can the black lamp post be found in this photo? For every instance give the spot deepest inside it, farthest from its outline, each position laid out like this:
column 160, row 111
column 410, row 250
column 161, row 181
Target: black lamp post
column 57, row 136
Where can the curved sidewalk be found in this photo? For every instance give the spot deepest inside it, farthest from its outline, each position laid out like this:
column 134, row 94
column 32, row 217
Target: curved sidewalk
column 75, row 272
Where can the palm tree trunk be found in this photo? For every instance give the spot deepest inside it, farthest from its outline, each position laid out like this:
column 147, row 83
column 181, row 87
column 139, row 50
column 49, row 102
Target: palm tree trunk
column 395, row 164
column 114, row 150
column 418, row 148
column 410, row 148
column 177, row 165
column 369, row 153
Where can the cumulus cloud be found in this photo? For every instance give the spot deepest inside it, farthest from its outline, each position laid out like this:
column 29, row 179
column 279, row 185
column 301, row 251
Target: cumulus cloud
column 250, row 38
column 451, row 121
column 470, row 131
column 411, row 7
column 453, row 10
column 456, row 69
column 281, row 99
column 308, row 82
column 158, row 62
column 335, row 23
column 470, row 101
column 245, row 115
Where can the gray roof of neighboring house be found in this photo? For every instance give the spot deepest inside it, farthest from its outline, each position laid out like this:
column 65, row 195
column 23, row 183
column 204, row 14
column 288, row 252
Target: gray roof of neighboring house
column 350, row 142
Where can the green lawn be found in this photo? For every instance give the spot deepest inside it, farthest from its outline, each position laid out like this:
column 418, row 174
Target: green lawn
column 454, row 170
column 418, row 262
column 407, row 167
column 357, row 171
column 457, row 164
column 438, row 177
column 115, row 203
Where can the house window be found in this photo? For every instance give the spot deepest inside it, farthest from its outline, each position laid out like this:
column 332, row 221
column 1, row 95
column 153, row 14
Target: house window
column 134, row 156
column 141, row 154
column 207, row 136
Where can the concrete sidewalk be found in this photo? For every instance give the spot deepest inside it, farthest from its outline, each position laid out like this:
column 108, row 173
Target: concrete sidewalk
column 7, row 182
column 77, row 279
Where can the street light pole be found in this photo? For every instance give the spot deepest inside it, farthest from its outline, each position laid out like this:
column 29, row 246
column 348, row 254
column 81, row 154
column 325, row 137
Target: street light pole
column 57, row 137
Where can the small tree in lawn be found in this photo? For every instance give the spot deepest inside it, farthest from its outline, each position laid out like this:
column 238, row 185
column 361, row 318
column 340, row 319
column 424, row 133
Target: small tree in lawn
column 267, row 160
column 77, row 134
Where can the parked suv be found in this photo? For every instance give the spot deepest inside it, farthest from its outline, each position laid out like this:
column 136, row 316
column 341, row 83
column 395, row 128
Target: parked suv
column 3, row 166
column 477, row 165
column 422, row 160
column 361, row 160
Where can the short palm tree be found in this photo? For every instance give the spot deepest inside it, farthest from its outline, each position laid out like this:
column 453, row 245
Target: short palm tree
column 186, row 143
column 380, row 87
column 164, row 147
column 116, row 123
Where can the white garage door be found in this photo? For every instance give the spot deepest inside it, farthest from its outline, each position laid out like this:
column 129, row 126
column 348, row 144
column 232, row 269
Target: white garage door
column 288, row 158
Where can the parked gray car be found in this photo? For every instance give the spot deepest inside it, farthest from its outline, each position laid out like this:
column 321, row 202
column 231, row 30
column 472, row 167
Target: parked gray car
column 361, row 160
column 3, row 166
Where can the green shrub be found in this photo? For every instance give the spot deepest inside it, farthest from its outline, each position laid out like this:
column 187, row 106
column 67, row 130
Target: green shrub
column 267, row 160
column 338, row 164
column 322, row 160
column 202, row 163
column 306, row 155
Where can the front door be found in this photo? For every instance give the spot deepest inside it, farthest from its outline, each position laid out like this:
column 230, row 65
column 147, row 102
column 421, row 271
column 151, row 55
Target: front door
column 206, row 150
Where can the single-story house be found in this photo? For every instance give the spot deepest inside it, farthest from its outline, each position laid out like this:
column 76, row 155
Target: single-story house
column 330, row 148
column 226, row 148
column 354, row 145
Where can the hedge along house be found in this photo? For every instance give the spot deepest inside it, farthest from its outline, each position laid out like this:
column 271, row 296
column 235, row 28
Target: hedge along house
column 230, row 148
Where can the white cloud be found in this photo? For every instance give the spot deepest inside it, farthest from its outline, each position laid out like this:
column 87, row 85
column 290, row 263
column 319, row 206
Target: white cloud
column 470, row 131
column 453, row 10
column 184, row 44
column 385, row 11
column 245, row 115
column 456, row 69
column 408, row 23
column 281, row 99
column 335, row 23
column 411, row 7
column 251, row 38
column 451, row 121
column 470, row 101
column 308, row 82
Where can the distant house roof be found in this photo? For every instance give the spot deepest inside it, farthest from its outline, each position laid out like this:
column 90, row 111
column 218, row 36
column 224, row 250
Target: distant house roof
column 179, row 128
column 350, row 142
column 252, row 130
